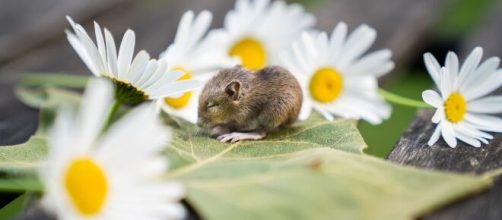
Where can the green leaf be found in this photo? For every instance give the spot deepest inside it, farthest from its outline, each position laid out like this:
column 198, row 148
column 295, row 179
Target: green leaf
column 189, row 145
column 20, row 184
column 12, row 209
column 321, row 184
column 314, row 170
column 23, row 159
column 47, row 97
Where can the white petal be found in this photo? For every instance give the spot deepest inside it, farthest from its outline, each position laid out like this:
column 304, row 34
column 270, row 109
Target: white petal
column 448, row 134
column 485, row 122
column 469, row 140
column 119, row 146
column 126, row 52
column 324, row 113
column 451, row 63
column 61, row 135
column 446, row 82
column 431, row 97
column 82, row 53
column 433, row 68
column 376, row 64
column 337, row 40
column 491, row 84
column 183, row 32
column 165, row 79
column 138, row 66
column 173, row 88
column 438, row 116
column 435, row 135
column 357, row 43
column 111, row 52
column 306, row 109
column 470, row 64
column 150, row 69
column 100, row 41
column 468, row 129
column 490, row 104
column 93, row 112
column 478, row 77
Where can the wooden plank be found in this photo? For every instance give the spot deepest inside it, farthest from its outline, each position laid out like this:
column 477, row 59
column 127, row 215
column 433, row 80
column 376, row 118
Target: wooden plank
column 403, row 26
column 27, row 24
column 412, row 149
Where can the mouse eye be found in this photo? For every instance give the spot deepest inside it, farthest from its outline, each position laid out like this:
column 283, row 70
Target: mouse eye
column 211, row 105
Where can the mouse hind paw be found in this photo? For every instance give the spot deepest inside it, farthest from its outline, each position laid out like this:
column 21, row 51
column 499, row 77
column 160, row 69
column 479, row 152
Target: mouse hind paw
column 240, row 136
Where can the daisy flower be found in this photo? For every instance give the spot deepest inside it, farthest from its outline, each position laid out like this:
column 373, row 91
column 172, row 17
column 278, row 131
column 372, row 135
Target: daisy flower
column 462, row 106
column 197, row 58
column 136, row 80
column 335, row 76
column 110, row 176
column 256, row 31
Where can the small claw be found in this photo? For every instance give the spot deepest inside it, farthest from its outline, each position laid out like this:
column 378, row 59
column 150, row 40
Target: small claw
column 221, row 137
column 235, row 140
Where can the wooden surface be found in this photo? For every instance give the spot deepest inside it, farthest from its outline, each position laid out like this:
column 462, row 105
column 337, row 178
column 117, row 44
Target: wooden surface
column 35, row 42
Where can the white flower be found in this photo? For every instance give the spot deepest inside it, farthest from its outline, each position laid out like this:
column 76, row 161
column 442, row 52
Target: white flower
column 335, row 76
column 462, row 105
column 256, row 31
column 114, row 175
column 197, row 58
column 137, row 79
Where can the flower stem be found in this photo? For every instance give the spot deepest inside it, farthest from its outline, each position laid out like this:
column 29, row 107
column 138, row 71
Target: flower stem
column 396, row 99
column 111, row 113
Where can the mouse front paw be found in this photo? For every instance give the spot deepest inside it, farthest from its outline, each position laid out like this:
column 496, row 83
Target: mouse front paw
column 239, row 136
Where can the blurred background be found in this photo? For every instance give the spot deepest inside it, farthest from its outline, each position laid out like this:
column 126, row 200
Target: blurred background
column 32, row 40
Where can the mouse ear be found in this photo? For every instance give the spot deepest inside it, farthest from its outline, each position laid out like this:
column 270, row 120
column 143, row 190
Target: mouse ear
column 232, row 90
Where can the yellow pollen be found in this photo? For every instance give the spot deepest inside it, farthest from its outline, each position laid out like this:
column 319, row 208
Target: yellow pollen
column 251, row 52
column 181, row 101
column 326, row 84
column 454, row 107
column 86, row 186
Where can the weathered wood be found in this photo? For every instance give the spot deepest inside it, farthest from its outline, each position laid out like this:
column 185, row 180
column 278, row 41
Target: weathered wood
column 412, row 149
column 403, row 26
column 27, row 24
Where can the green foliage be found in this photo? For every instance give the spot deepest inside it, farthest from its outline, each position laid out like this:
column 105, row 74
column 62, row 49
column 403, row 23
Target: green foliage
column 22, row 159
column 462, row 17
column 314, row 170
column 10, row 210
column 381, row 138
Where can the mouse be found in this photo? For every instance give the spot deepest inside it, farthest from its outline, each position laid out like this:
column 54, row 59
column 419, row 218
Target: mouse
column 241, row 104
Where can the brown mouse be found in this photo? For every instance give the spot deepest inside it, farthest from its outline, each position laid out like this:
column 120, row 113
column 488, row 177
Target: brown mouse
column 240, row 104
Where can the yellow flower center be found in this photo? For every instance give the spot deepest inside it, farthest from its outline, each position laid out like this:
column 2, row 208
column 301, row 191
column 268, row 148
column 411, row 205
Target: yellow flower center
column 181, row 101
column 326, row 84
column 86, row 185
column 251, row 52
column 454, row 107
